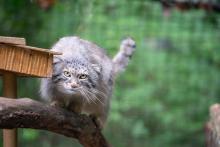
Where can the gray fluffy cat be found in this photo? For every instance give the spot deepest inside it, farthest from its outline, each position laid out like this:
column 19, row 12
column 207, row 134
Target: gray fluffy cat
column 83, row 76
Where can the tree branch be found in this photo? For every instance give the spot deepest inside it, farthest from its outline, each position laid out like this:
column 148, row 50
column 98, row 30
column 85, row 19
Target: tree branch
column 213, row 127
column 27, row 113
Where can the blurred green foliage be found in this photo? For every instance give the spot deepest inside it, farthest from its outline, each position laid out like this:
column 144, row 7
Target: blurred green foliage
column 163, row 98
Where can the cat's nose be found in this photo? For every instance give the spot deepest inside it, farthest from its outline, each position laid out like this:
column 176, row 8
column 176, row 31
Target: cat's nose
column 74, row 85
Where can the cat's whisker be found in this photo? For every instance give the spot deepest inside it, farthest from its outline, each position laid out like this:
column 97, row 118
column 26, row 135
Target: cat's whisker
column 95, row 97
column 99, row 92
column 98, row 98
column 83, row 95
column 90, row 98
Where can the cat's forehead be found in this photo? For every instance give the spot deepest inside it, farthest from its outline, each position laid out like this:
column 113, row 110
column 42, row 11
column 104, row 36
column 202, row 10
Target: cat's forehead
column 76, row 65
column 77, row 62
column 77, row 70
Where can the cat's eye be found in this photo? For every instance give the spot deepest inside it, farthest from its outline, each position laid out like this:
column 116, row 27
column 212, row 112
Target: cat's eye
column 67, row 73
column 82, row 76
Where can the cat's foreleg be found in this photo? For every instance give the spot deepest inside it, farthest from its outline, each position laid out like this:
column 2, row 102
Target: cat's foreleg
column 75, row 107
column 99, row 119
column 122, row 58
column 57, row 103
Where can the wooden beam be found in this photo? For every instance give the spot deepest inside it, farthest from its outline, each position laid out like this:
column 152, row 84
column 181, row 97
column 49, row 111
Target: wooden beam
column 12, row 40
column 10, row 91
column 47, row 51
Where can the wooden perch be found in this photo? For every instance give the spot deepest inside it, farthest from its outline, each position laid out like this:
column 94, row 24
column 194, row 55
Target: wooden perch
column 213, row 127
column 12, row 40
column 27, row 113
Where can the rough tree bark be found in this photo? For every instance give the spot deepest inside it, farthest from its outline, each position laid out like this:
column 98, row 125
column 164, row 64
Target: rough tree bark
column 27, row 113
column 213, row 127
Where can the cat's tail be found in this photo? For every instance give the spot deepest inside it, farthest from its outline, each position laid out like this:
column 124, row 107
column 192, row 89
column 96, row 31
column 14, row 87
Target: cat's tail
column 125, row 53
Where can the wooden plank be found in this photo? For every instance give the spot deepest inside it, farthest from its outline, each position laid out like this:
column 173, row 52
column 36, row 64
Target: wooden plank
column 20, row 42
column 12, row 40
column 25, row 61
column 18, row 74
column 49, row 66
column 39, row 49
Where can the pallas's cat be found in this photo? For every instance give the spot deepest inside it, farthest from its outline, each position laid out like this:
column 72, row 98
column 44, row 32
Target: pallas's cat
column 83, row 76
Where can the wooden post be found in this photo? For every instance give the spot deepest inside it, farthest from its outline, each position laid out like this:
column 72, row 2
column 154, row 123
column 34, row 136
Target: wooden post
column 10, row 91
column 19, row 59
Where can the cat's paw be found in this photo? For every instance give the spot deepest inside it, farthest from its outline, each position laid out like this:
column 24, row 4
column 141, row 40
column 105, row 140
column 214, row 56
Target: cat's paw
column 128, row 46
column 57, row 104
column 76, row 108
column 97, row 121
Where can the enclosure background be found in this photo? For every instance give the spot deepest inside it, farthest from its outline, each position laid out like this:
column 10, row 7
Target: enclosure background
column 163, row 97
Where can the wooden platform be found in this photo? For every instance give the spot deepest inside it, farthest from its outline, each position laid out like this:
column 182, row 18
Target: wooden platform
column 16, row 57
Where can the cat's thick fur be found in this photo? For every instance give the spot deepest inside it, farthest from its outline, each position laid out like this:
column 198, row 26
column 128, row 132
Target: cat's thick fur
column 83, row 76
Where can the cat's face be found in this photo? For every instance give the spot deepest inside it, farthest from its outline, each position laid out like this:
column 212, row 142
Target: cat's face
column 75, row 77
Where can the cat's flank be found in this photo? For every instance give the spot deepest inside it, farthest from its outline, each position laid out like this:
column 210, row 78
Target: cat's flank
column 83, row 76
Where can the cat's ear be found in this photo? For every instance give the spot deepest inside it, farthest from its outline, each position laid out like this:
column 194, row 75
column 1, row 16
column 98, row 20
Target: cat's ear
column 58, row 64
column 96, row 67
column 57, row 60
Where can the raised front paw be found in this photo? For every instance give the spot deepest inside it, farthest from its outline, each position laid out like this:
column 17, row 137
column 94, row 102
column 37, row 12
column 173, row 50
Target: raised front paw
column 128, row 46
